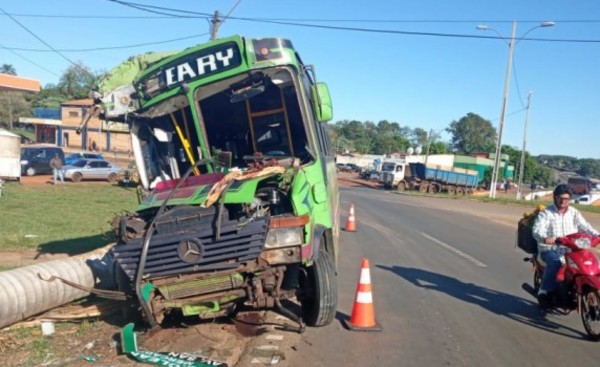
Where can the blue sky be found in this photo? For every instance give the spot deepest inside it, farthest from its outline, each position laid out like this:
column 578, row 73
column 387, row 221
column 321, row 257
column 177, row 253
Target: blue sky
column 416, row 80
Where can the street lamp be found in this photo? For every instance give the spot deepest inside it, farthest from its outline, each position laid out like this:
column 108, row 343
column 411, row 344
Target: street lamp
column 511, row 47
column 522, row 165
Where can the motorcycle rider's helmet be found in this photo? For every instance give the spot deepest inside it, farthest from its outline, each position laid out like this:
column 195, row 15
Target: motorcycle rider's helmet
column 561, row 190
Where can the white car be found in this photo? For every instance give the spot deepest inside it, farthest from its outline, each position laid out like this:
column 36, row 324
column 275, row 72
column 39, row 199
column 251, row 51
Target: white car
column 91, row 169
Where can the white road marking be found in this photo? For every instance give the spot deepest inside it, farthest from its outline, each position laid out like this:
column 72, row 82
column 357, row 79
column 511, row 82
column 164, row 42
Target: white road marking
column 455, row 250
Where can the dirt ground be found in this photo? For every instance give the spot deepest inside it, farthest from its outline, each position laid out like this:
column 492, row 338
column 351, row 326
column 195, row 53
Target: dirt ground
column 96, row 340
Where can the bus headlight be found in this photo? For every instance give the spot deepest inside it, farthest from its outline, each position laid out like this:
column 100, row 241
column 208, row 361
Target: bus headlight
column 283, row 237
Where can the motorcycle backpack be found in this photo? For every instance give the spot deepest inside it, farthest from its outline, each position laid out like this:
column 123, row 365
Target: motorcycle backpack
column 525, row 240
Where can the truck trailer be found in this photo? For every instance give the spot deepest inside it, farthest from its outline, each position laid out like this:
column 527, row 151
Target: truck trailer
column 431, row 179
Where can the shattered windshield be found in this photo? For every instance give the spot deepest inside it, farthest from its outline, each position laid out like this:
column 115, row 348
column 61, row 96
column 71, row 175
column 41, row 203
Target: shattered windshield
column 241, row 119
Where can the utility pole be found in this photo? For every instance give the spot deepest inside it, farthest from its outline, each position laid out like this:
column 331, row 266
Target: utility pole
column 429, row 142
column 215, row 25
column 522, row 165
column 511, row 47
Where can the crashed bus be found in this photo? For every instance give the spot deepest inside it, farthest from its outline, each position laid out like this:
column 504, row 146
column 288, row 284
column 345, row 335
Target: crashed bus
column 240, row 204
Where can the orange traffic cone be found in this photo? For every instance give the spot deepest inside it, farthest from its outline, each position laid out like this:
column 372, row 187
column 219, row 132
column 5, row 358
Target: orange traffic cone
column 351, row 222
column 363, row 313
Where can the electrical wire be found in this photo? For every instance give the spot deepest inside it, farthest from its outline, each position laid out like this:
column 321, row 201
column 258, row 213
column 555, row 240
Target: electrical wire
column 149, row 9
column 28, row 60
column 328, row 20
column 514, row 72
column 40, row 39
column 108, row 48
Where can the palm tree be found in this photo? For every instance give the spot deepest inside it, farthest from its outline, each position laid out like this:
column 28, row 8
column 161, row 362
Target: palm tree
column 8, row 69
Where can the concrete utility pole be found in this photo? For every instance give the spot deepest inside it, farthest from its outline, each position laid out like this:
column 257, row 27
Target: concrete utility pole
column 511, row 47
column 215, row 25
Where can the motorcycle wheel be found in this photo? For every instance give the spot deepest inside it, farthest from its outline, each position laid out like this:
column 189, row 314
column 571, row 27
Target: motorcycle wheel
column 590, row 312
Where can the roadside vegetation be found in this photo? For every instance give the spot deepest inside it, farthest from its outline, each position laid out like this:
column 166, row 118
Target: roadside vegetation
column 68, row 219
column 532, row 204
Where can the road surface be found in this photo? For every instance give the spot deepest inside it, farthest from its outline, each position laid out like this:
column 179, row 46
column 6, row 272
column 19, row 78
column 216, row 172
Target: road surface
column 448, row 291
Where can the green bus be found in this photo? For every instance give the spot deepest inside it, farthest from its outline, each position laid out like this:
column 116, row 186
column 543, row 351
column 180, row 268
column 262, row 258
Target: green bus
column 240, row 204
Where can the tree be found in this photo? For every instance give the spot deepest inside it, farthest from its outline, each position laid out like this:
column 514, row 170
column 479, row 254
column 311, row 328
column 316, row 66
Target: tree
column 12, row 106
column 49, row 97
column 589, row 167
column 420, row 137
column 439, row 147
column 472, row 133
column 8, row 69
column 77, row 81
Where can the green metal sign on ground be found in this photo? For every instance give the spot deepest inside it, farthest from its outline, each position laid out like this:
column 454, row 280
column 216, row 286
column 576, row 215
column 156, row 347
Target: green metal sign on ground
column 174, row 359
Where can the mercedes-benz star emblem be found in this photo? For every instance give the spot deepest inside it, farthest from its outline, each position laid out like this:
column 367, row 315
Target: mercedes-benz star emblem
column 190, row 251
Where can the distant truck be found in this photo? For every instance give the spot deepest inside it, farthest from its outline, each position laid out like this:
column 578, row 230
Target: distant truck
column 430, row 178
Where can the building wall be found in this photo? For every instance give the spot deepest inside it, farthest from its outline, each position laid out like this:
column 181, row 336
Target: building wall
column 112, row 136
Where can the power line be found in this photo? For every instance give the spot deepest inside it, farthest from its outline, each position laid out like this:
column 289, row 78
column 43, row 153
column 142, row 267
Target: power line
column 203, row 15
column 39, row 39
column 231, row 10
column 433, row 34
column 149, row 9
column 514, row 69
column 108, row 48
column 28, row 60
column 87, row 16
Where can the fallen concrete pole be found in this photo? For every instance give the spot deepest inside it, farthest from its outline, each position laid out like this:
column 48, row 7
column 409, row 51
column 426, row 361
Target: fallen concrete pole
column 23, row 293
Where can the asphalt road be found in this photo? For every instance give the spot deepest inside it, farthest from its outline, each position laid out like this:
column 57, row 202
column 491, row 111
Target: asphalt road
column 448, row 291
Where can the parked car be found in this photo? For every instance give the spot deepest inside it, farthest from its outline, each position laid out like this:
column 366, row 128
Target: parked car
column 91, row 169
column 370, row 174
column 353, row 167
column 35, row 159
column 342, row 167
column 74, row 157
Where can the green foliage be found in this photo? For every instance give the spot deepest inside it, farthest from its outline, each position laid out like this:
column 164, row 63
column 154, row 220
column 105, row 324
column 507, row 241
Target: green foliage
column 8, row 69
column 12, row 106
column 589, row 167
column 50, row 96
column 472, row 133
column 420, row 137
column 77, row 81
column 439, row 147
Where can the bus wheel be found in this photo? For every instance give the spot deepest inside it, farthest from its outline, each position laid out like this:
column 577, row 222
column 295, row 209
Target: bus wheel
column 319, row 280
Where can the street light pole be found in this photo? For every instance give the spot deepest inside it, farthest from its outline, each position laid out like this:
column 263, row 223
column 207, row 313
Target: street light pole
column 522, row 165
column 511, row 48
column 505, row 97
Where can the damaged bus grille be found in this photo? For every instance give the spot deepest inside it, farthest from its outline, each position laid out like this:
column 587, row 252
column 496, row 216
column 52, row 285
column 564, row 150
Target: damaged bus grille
column 190, row 245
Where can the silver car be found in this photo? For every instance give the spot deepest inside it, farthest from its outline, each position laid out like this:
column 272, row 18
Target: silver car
column 91, row 169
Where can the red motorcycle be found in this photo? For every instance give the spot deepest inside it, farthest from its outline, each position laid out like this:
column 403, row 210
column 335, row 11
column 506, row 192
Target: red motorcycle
column 578, row 279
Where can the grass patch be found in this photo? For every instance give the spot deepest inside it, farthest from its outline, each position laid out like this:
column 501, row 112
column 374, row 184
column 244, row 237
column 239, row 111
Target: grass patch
column 534, row 203
column 73, row 218
column 505, row 201
column 8, row 267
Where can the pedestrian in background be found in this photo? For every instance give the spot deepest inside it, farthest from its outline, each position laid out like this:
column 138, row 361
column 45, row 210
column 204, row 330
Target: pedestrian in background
column 57, row 172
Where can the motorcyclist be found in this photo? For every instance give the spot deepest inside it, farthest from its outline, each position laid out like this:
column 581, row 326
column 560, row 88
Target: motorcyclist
column 556, row 221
